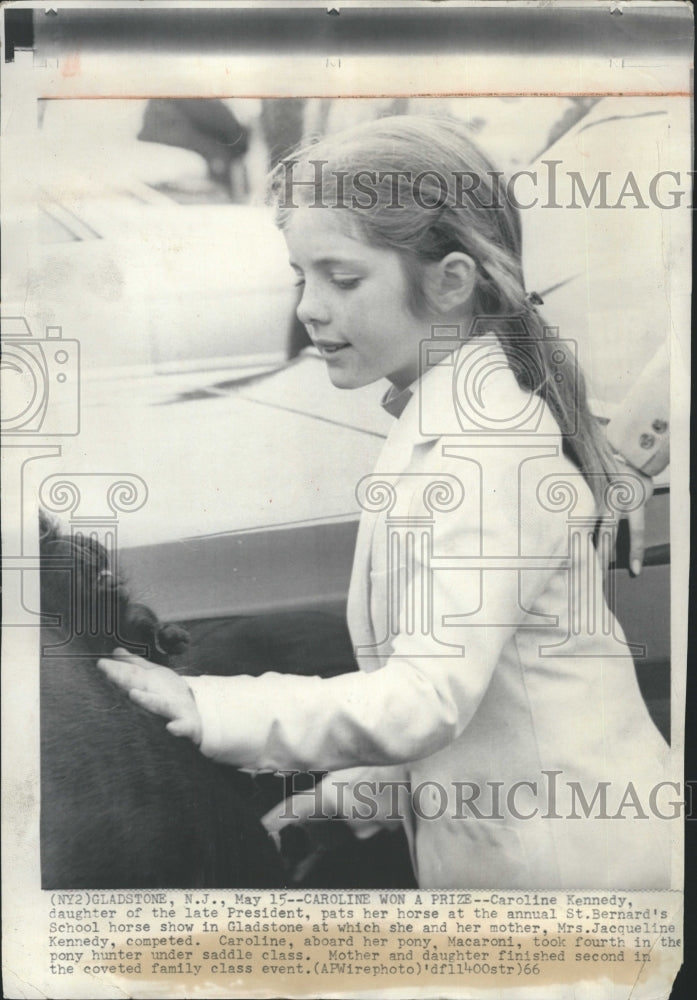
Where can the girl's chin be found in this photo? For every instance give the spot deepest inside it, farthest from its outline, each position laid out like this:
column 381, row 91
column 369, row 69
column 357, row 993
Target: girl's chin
column 344, row 378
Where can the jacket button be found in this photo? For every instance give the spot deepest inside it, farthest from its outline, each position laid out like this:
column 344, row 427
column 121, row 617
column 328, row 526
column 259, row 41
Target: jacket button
column 660, row 426
column 647, row 441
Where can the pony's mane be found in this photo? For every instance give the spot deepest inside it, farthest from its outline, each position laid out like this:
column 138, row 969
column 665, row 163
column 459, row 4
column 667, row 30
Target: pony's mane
column 91, row 600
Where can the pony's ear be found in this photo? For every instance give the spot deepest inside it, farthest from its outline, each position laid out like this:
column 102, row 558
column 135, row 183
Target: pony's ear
column 451, row 281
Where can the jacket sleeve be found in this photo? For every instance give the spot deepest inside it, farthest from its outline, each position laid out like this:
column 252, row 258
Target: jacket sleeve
column 426, row 693
column 640, row 429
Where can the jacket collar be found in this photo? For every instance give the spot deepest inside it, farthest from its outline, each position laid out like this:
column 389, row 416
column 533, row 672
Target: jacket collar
column 395, row 400
column 428, row 410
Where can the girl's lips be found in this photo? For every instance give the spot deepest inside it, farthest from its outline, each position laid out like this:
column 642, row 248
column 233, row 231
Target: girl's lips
column 330, row 348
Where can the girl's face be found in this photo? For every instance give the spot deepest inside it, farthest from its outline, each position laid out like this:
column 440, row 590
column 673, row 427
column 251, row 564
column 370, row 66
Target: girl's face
column 354, row 302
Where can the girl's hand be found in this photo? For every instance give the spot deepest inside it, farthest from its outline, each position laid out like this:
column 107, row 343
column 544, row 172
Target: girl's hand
column 334, row 798
column 158, row 689
column 636, row 520
column 637, row 528
column 295, row 809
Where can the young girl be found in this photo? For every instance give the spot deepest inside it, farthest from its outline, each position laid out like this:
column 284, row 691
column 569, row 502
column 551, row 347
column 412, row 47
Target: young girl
column 497, row 713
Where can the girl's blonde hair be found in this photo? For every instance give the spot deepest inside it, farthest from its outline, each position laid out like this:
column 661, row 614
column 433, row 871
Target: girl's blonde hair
column 418, row 185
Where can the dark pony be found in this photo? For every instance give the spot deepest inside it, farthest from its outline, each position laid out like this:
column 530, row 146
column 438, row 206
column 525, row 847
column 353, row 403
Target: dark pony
column 123, row 803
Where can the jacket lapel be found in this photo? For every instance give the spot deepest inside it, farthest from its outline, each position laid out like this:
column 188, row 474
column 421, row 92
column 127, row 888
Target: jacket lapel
column 433, row 394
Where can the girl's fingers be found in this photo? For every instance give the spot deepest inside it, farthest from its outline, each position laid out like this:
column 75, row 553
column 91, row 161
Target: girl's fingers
column 607, row 541
column 123, row 655
column 180, row 727
column 637, row 528
column 637, row 540
column 273, row 823
column 295, row 809
column 125, row 673
column 272, row 826
column 153, row 702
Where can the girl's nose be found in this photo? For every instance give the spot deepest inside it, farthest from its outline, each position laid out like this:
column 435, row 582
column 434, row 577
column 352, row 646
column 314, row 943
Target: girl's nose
column 311, row 308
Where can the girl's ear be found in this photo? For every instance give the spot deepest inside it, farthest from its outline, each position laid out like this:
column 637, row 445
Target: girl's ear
column 451, row 281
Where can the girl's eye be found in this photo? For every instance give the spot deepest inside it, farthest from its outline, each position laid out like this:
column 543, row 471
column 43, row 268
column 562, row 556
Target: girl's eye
column 299, row 283
column 345, row 283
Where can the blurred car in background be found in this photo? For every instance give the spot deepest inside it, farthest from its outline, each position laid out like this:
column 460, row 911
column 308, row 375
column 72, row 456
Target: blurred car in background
column 98, row 244
column 141, row 281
